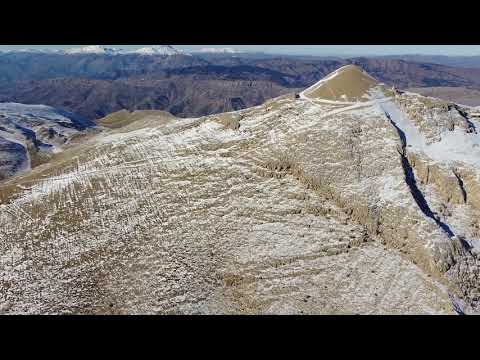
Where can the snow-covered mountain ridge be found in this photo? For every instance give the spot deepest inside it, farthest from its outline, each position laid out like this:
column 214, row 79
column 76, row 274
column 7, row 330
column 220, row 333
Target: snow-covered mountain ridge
column 160, row 50
column 165, row 50
column 326, row 202
column 225, row 50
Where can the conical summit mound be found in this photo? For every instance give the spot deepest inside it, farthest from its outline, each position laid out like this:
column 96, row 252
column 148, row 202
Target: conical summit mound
column 349, row 83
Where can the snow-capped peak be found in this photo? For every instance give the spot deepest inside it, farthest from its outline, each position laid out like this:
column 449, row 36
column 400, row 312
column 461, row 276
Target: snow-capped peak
column 165, row 50
column 225, row 50
column 94, row 49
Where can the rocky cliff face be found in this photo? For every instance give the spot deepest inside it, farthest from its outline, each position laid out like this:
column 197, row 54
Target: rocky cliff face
column 318, row 203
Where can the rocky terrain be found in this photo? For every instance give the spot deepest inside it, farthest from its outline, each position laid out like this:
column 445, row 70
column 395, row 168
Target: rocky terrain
column 348, row 198
column 96, row 81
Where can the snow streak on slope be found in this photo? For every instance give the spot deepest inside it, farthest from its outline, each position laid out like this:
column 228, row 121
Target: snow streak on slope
column 454, row 146
column 389, row 108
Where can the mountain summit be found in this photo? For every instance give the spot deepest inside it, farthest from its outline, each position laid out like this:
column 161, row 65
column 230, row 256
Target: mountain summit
column 349, row 83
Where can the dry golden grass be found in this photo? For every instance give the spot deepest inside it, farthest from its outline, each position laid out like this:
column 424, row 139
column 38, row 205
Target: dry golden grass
column 351, row 84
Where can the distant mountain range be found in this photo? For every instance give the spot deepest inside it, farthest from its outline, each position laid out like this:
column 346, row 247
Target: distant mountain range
column 92, row 49
column 163, row 50
column 94, row 81
column 225, row 50
column 457, row 61
column 168, row 50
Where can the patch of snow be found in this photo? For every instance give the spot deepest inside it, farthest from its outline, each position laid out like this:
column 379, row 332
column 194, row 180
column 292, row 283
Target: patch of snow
column 475, row 244
column 454, row 146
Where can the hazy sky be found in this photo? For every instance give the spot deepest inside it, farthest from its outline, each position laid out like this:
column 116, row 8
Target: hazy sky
column 339, row 50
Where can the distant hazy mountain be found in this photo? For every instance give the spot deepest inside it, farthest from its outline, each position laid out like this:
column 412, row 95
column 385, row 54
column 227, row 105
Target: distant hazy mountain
column 96, row 80
column 164, row 50
column 94, row 49
column 15, row 66
column 161, row 50
column 460, row 95
column 457, row 61
column 225, row 50
column 33, row 51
